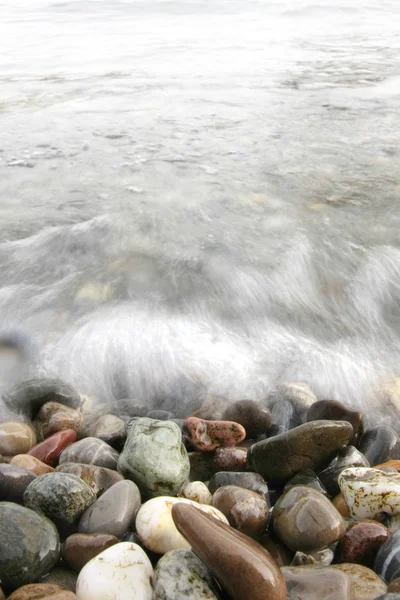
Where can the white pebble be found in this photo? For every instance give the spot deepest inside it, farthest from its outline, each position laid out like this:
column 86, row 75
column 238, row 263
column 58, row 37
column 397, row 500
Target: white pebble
column 369, row 492
column 197, row 491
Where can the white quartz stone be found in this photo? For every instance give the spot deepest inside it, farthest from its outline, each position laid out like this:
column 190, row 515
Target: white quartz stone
column 369, row 492
column 156, row 528
column 121, row 572
column 197, row 491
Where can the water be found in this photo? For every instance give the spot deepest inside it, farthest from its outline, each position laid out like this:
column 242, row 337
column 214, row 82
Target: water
column 202, row 197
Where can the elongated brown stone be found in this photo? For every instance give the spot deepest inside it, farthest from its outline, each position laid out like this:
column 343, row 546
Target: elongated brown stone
column 242, row 567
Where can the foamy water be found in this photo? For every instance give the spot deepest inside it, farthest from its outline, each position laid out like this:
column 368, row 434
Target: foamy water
column 202, row 197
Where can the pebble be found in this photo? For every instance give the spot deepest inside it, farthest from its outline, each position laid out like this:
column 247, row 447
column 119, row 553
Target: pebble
column 305, row 520
column 230, row 459
column 155, row 526
column 29, row 545
column 16, row 438
column 361, row 542
column 252, row 415
column 250, row 481
column 148, row 440
column 336, row 411
column 196, row 491
column 237, row 562
column 298, row 395
column 41, row 591
column 308, row 446
column 180, row 575
column 206, row 436
column 13, row 482
column 245, row 510
column 91, row 451
column 369, row 492
column 54, row 417
column 61, row 497
column 31, row 463
column 378, row 444
column 365, row 584
column 99, row 479
column 49, row 451
column 110, row 429
column 341, row 506
column 348, row 456
column 122, row 571
column 79, row 548
column 307, row 477
column 317, row 583
column 114, row 512
column 387, row 561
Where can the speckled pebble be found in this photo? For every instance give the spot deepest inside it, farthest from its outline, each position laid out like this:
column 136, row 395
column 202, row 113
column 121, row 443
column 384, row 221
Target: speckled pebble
column 369, row 492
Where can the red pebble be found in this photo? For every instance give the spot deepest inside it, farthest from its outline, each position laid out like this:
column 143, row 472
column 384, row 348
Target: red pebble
column 49, row 450
column 208, row 435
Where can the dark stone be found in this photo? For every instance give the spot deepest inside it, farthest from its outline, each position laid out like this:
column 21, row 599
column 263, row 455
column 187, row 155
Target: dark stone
column 361, row 542
column 379, row 444
column 274, row 430
column 111, row 430
column 306, row 477
column 298, row 395
column 333, row 410
column 201, row 466
column 233, row 458
column 13, row 482
column 348, row 456
column 79, row 548
column 249, row 481
column 29, row 545
column 387, row 561
column 254, row 416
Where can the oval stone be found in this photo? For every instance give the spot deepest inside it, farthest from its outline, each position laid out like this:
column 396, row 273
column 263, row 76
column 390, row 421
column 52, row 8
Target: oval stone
column 155, row 526
column 369, row 492
column 31, row 463
column 79, row 548
column 16, row 438
column 29, row 545
column 99, row 479
column 122, row 571
column 237, row 562
column 13, row 482
column 245, row 510
column 305, row 520
column 361, row 542
column 196, row 491
column 51, row 448
column 333, row 410
column 91, row 451
column 252, row 415
column 180, row 575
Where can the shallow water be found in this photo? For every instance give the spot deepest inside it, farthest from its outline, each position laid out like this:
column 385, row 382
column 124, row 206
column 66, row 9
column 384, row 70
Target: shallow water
column 202, row 197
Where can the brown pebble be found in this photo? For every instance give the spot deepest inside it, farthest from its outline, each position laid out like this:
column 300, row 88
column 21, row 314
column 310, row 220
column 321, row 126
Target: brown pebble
column 361, row 542
column 245, row 510
column 35, row 591
column 54, row 417
column 276, row 548
column 230, row 459
column 341, row 506
column 16, row 438
column 394, row 586
column 79, row 548
column 31, row 463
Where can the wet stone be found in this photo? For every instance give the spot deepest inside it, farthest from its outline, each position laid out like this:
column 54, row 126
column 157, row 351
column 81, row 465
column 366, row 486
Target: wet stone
column 252, row 415
column 230, row 459
column 387, row 561
column 16, row 438
column 148, row 440
column 206, row 436
column 245, row 510
column 31, row 463
column 50, row 449
column 249, row 481
column 348, row 456
column 61, row 497
column 361, row 542
column 365, row 584
column 29, row 545
column 180, row 575
column 379, row 444
column 281, row 553
column 309, row 446
column 369, row 492
column 41, row 591
column 305, row 520
column 79, row 548
column 99, row 479
column 307, row 477
column 110, row 429
column 317, row 583
column 114, row 512
column 54, row 417
column 298, row 395
column 91, row 451
column 322, row 557
column 336, row 411
column 13, row 482
column 196, row 491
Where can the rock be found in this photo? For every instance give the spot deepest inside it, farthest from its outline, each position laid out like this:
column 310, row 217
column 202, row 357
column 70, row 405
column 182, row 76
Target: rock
column 305, row 520
column 394, row 586
column 379, row 444
column 59, row 496
column 333, row 410
column 361, row 542
column 51, row 449
column 29, row 545
column 341, row 506
column 91, row 451
column 140, row 461
column 62, row 577
column 252, row 415
column 114, row 512
column 206, row 436
column 306, row 477
column 180, row 575
column 54, row 417
column 298, row 395
column 245, row 510
column 13, row 482
column 250, row 481
column 28, row 397
column 79, row 548
column 365, row 584
column 196, row 491
column 122, row 571
column 16, row 438
column 110, row 429
column 321, row 558
column 41, row 591
column 32, row 464
column 348, row 456
column 369, row 492
column 317, row 583
column 387, row 561
column 230, row 459
column 156, row 529
column 237, row 562
column 201, row 466
column 309, row 446
column 99, row 479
